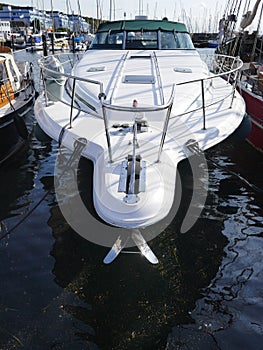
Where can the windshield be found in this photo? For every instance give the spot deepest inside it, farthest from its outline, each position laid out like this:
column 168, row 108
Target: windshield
column 141, row 40
column 173, row 40
column 147, row 40
column 107, row 40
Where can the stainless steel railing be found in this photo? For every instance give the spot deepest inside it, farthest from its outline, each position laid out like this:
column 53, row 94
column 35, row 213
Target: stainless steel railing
column 225, row 67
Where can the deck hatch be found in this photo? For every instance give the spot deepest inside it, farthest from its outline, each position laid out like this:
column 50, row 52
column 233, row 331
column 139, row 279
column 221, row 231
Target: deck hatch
column 183, row 70
column 139, row 79
column 140, row 56
column 96, row 69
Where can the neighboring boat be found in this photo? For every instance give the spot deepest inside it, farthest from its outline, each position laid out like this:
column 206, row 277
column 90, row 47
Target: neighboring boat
column 60, row 41
column 202, row 40
column 79, row 43
column 17, row 94
column 138, row 101
column 212, row 43
column 34, row 42
column 251, row 88
column 248, row 46
column 18, row 41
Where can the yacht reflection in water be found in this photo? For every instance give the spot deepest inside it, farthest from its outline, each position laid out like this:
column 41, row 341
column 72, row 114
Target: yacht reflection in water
column 131, row 304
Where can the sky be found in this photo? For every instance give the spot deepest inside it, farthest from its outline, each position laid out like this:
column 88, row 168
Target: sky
column 152, row 8
column 199, row 16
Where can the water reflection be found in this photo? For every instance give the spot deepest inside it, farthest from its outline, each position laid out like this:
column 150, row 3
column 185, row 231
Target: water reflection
column 23, row 245
column 206, row 292
column 18, row 179
column 132, row 304
column 229, row 314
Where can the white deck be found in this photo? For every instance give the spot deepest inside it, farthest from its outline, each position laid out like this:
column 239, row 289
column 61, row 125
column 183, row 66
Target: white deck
column 155, row 203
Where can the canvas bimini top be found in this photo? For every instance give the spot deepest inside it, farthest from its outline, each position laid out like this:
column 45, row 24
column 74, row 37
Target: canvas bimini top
column 144, row 25
column 142, row 34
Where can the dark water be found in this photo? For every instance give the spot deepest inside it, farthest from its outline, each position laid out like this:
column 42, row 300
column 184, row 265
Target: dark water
column 205, row 293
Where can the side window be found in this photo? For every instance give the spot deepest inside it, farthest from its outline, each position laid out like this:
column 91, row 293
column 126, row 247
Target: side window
column 13, row 73
column 185, row 41
column 107, row 40
column 3, row 75
column 101, row 38
column 173, row 40
column 169, row 41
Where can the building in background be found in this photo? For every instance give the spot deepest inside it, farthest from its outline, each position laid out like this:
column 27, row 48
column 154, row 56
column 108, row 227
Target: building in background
column 78, row 24
column 5, row 30
column 25, row 15
column 38, row 20
column 59, row 19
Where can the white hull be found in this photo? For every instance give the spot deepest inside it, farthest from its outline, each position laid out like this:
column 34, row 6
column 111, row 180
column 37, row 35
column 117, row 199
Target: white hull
column 142, row 100
column 154, row 203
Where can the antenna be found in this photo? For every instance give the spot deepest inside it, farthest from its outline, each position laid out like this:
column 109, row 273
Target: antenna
column 140, row 7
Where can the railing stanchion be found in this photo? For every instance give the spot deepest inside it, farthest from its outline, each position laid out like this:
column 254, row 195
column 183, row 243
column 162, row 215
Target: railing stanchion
column 203, row 103
column 165, row 127
column 72, row 102
column 44, row 85
column 102, row 96
column 233, row 94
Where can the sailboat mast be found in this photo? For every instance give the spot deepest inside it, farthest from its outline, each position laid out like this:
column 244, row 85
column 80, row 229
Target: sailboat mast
column 255, row 41
column 97, row 3
column 110, row 10
column 52, row 14
column 80, row 29
column 53, row 28
column 155, row 11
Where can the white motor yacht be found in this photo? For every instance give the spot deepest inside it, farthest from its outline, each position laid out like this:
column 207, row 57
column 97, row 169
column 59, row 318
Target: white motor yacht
column 139, row 96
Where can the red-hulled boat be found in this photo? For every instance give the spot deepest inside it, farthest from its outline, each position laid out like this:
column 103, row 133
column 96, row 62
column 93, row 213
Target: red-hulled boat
column 253, row 96
column 248, row 46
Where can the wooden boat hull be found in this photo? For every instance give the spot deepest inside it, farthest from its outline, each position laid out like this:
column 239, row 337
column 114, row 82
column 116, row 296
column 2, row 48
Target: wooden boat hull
column 14, row 130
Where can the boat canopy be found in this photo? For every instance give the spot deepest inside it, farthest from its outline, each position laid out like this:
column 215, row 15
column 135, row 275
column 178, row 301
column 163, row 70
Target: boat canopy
column 143, row 25
column 142, row 34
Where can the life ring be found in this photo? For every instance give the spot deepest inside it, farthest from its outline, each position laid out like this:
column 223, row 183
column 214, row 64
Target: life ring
column 21, row 126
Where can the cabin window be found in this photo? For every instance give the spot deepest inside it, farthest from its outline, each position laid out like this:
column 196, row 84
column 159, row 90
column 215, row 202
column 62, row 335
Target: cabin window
column 3, row 76
column 169, row 40
column 141, row 40
column 185, row 41
column 173, row 40
column 12, row 71
column 107, row 40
